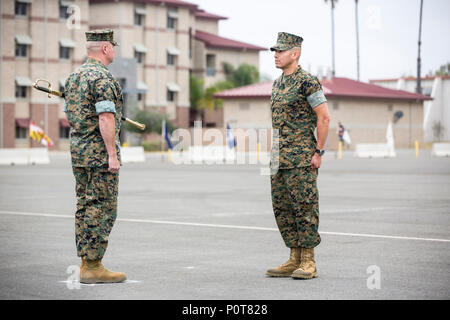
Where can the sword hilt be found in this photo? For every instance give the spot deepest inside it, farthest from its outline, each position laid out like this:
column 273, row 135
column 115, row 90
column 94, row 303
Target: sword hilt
column 47, row 90
column 50, row 92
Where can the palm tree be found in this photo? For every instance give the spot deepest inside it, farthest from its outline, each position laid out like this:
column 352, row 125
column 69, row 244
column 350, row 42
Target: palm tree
column 357, row 39
column 333, row 71
column 419, row 86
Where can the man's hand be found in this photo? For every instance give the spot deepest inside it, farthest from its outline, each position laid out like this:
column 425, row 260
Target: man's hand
column 316, row 161
column 113, row 164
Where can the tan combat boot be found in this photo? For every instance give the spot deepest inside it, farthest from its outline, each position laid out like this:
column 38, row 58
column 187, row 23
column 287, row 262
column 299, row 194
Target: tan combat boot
column 95, row 272
column 307, row 269
column 286, row 269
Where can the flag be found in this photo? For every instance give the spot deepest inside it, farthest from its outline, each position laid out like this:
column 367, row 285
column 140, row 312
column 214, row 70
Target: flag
column 390, row 135
column 166, row 135
column 37, row 134
column 231, row 140
column 390, row 140
column 346, row 137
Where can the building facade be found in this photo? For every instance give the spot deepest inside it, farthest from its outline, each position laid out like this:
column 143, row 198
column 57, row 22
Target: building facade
column 46, row 39
column 436, row 113
column 364, row 110
column 164, row 36
column 37, row 41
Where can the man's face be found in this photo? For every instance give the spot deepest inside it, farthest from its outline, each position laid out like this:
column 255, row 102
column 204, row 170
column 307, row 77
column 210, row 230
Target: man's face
column 284, row 58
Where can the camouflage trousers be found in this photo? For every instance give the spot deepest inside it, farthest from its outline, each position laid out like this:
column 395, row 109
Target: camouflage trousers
column 96, row 191
column 295, row 202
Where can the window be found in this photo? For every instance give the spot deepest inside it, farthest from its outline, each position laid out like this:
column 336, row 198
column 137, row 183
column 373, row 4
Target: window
column 139, row 56
column 20, row 8
column 21, row 133
column 335, row 106
column 64, row 52
column 138, row 19
column 64, row 131
column 63, row 14
column 170, row 23
column 170, row 59
column 211, row 65
column 170, row 96
column 172, row 16
column 21, row 50
column 139, row 96
column 139, row 13
column 390, row 107
column 21, row 91
column 139, row 52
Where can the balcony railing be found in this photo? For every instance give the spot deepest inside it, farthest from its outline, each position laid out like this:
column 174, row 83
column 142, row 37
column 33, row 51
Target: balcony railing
column 211, row 71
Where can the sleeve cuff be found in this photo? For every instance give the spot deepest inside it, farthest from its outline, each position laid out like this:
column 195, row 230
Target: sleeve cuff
column 105, row 106
column 316, row 99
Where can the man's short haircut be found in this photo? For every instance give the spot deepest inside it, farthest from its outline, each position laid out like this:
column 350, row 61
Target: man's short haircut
column 299, row 49
column 95, row 46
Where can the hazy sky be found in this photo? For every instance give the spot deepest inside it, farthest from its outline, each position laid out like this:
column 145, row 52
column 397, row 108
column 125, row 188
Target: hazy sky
column 388, row 33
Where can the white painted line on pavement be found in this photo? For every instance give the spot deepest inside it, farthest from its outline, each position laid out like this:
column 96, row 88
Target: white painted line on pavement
column 75, row 283
column 227, row 226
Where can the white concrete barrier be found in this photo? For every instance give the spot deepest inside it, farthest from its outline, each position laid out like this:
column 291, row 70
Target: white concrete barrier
column 441, row 150
column 374, row 150
column 39, row 156
column 24, row 156
column 219, row 155
column 132, row 154
column 210, row 155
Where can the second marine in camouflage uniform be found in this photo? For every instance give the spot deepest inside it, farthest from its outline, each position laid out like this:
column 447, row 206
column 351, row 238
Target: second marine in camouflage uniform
column 294, row 185
column 90, row 91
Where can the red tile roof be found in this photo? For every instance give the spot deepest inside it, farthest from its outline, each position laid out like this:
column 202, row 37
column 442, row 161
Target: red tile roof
column 410, row 78
column 202, row 14
column 257, row 90
column 174, row 3
column 214, row 41
column 333, row 88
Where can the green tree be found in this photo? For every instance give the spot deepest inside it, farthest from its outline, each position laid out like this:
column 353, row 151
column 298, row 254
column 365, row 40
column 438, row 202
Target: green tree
column 201, row 98
column 209, row 101
column 196, row 92
column 228, row 70
column 244, row 75
column 444, row 70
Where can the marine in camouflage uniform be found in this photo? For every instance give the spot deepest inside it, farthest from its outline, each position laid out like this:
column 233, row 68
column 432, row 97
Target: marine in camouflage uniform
column 294, row 185
column 90, row 91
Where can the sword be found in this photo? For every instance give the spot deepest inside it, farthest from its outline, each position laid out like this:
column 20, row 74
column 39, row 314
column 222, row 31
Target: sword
column 62, row 95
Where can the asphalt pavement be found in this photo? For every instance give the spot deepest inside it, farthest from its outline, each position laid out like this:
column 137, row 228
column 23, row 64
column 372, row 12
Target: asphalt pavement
column 208, row 232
